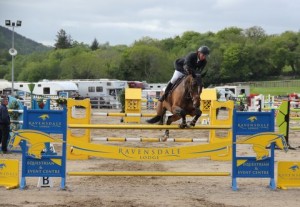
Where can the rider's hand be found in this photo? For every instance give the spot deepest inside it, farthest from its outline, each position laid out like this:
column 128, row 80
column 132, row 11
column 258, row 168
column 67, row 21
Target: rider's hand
column 189, row 71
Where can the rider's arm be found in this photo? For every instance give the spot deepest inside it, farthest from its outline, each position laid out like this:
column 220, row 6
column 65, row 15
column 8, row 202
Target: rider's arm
column 191, row 60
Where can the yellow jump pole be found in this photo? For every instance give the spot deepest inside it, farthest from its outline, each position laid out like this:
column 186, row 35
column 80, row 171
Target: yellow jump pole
column 143, row 126
column 141, row 173
column 147, row 139
column 123, row 114
column 130, row 114
column 294, row 118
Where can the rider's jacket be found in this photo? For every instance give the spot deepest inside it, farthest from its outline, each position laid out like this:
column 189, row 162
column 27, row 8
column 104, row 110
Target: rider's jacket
column 190, row 62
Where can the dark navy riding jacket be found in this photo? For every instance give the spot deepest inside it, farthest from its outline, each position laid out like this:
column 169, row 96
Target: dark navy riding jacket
column 4, row 116
column 191, row 62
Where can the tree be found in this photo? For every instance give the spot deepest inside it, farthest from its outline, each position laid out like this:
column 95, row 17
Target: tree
column 213, row 68
column 236, row 55
column 144, row 62
column 82, row 66
column 234, row 67
column 63, row 40
column 285, row 52
column 109, row 60
column 230, row 34
column 95, row 45
column 291, row 43
column 255, row 32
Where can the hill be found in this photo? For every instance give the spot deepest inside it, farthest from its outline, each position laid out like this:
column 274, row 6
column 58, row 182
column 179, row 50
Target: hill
column 23, row 44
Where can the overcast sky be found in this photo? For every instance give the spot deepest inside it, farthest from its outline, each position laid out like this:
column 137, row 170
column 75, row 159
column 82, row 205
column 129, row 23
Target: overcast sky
column 124, row 21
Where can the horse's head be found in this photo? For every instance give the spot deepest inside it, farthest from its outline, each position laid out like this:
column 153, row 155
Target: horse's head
column 194, row 87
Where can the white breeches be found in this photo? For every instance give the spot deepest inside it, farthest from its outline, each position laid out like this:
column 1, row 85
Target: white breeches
column 176, row 75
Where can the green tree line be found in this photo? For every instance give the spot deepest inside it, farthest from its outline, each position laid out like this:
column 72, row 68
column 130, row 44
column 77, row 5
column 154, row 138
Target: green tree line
column 237, row 55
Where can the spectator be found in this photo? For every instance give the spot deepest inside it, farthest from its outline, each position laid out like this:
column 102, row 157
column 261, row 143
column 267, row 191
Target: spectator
column 241, row 100
column 4, row 124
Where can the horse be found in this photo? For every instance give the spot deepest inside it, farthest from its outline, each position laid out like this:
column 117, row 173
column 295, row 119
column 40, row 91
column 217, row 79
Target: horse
column 183, row 100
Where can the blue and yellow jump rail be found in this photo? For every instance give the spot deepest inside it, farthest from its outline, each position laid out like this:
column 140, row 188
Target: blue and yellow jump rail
column 39, row 125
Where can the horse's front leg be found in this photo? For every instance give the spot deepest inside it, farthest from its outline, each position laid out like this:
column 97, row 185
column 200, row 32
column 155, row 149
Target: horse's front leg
column 167, row 132
column 171, row 119
column 182, row 113
column 198, row 113
column 183, row 123
column 166, row 135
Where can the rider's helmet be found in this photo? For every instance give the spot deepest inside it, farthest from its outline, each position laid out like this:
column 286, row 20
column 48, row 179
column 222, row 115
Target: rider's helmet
column 204, row 50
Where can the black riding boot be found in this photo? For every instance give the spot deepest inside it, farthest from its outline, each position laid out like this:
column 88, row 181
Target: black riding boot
column 167, row 90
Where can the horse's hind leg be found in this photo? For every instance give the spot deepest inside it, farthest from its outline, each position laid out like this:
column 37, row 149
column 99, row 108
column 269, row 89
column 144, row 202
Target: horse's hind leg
column 161, row 121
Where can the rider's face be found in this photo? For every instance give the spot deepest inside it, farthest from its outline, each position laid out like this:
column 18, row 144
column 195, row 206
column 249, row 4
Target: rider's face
column 201, row 56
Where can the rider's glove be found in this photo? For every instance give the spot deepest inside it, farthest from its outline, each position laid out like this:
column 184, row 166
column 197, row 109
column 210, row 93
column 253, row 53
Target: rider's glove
column 189, row 70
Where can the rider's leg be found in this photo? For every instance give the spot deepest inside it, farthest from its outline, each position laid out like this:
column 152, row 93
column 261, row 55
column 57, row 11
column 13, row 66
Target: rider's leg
column 174, row 78
column 167, row 90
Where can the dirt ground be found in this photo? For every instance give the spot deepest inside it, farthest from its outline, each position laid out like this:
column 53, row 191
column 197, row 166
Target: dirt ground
column 153, row 191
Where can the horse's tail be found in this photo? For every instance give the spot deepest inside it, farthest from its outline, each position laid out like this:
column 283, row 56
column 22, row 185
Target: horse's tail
column 154, row 120
column 159, row 114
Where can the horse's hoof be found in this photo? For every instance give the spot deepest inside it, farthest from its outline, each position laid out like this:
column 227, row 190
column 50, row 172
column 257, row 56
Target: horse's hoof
column 164, row 138
column 182, row 126
column 192, row 125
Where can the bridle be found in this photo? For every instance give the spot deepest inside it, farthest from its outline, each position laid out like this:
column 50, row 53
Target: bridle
column 192, row 89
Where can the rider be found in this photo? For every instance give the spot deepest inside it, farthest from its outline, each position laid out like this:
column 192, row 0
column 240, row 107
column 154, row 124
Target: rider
column 193, row 63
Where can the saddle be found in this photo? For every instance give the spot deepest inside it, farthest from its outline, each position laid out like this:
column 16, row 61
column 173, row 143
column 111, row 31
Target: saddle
column 178, row 81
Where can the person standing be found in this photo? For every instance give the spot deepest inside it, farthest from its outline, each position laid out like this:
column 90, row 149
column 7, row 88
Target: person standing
column 241, row 100
column 4, row 124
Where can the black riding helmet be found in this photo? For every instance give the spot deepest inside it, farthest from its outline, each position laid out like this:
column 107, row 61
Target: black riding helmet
column 204, row 50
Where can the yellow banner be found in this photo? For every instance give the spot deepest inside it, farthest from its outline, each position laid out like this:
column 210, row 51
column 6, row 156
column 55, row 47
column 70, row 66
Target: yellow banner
column 9, row 173
column 288, row 174
column 149, row 154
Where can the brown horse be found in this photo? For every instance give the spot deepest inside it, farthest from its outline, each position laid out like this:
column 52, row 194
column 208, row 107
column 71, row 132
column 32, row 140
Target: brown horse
column 183, row 100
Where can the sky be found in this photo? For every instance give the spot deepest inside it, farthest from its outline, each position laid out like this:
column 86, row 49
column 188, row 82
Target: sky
column 124, row 21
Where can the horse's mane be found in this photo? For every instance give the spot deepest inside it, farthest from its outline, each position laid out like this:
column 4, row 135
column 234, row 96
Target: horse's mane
column 187, row 79
column 188, row 84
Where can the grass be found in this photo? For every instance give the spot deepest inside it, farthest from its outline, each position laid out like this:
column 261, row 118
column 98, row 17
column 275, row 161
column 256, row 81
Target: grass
column 275, row 91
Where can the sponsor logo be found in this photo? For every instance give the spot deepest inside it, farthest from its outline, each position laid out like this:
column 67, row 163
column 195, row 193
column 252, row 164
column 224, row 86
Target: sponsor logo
column 2, row 166
column 294, row 168
column 252, row 118
column 44, row 117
